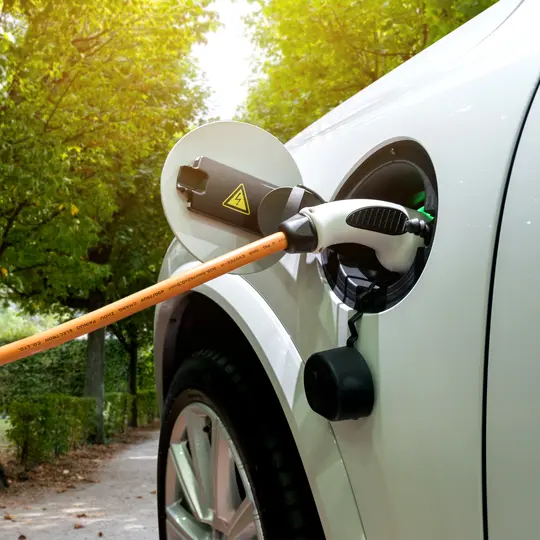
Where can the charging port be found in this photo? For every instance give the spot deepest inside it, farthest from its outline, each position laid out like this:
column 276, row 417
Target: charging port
column 401, row 173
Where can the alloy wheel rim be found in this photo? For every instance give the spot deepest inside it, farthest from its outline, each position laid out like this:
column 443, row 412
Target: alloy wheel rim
column 207, row 492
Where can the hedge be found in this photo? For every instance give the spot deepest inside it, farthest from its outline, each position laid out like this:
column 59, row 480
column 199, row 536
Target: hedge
column 147, row 407
column 62, row 371
column 45, row 427
column 117, row 409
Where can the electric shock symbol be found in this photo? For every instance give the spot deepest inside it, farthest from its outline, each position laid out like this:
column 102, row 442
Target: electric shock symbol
column 238, row 200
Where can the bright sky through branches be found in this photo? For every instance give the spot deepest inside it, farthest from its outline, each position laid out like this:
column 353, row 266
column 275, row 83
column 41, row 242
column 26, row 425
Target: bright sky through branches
column 225, row 60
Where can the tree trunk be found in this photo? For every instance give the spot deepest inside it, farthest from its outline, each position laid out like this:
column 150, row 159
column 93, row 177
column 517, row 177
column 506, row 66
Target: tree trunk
column 4, row 484
column 132, row 380
column 95, row 371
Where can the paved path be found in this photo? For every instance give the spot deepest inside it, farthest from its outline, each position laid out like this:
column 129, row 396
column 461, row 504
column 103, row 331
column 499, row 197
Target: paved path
column 122, row 506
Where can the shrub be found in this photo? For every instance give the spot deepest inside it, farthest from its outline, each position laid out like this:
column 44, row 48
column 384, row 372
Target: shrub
column 147, row 407
column 62, row 371
column 47, row 426
column 117, row 408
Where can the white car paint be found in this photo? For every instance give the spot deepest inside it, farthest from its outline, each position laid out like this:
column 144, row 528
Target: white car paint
column 415, row 466
column 282, row 362
column 513, row 402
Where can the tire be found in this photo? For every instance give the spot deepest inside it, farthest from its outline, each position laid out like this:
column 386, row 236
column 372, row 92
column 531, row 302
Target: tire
column 250, row 412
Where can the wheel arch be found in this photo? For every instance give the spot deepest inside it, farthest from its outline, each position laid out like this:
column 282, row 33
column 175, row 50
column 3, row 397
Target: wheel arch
column 217, row 314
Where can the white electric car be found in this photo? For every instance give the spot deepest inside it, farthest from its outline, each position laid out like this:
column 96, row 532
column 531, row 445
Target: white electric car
column 450, row 447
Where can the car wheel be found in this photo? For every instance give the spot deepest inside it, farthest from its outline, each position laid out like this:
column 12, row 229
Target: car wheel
column 227, row 464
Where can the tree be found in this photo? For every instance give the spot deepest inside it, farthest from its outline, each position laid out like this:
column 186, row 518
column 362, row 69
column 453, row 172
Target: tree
column 93, row 94
column 319, row 53
column 138, row 250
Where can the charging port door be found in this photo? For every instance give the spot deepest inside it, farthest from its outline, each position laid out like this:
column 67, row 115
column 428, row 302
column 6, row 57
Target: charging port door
column 212, row 213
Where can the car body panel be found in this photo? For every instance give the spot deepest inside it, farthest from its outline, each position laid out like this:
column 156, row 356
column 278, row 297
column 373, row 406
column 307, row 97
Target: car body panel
column 409, row 80
column 513, row 400
column 415, row 466
column 272, row 344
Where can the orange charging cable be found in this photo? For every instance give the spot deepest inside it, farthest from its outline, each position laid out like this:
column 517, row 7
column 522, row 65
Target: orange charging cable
column 146, row 298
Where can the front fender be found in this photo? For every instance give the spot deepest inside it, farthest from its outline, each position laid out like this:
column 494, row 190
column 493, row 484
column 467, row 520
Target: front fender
column 275, row 350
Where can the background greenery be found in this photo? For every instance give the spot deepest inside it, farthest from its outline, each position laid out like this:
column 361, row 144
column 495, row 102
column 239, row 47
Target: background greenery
column 317, row 53
column 93, row 94
column 62, row 370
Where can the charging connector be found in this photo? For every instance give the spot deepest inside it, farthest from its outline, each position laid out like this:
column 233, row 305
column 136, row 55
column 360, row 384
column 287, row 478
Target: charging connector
column 393, row 231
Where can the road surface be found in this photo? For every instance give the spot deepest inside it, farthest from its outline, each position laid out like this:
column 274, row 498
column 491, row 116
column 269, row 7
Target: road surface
column 121, row 506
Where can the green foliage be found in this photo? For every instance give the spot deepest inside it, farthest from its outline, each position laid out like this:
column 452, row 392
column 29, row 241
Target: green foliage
column 62, row 370
column 4, row 426
column 318, row 53
column 117, row 407
column 145, row 374
column 147, row 407
column 93, row 96
column 47, row 426
column 14, row 325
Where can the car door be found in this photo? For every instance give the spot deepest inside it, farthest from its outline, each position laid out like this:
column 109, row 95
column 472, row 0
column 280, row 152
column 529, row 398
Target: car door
column 512, row 430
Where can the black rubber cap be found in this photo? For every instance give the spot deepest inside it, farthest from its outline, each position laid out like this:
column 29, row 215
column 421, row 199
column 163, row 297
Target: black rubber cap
column 339, row 385
column 301, row 234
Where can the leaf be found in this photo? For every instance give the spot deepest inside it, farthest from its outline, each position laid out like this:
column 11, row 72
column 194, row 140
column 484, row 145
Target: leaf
column 78, row 526
column 3, row 271
column 86, row 125
column 314, row 59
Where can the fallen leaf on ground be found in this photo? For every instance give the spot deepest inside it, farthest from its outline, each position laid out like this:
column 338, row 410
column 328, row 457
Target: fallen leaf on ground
column 78, row 526
column 83, row 515
column 139, row 497
column 100, row 534
column 22, row 537
column 153, row 492
column 9, row 517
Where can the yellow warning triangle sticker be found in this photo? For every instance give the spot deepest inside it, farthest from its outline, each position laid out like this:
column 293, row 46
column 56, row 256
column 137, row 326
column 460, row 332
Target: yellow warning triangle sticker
column 238, row 200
